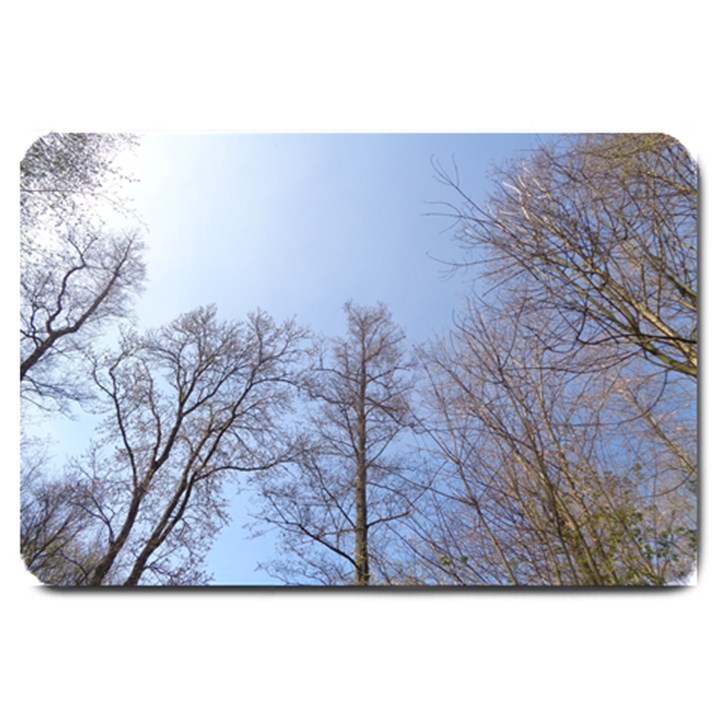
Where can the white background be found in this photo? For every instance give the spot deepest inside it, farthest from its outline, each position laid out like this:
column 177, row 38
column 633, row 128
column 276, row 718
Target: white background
column 320, row 66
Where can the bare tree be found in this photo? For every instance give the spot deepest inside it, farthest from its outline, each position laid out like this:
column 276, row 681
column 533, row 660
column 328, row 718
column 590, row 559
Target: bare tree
column 187, row 407
column 563, row 410
column 603, row 229
column 65, row 178
column 69, row 291
column 350, row 482
column 75, row 275
column 546, row 477
column 75, row 278
column 55, row 540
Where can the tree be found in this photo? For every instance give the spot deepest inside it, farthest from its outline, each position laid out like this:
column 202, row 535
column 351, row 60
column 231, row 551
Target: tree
column 75, row 275
column 603, row 229
column 349, row 482
column 563, row 405
column 54, row 540
column 68, row 294
column 544, row 477
column 187, row 407
column 65, row 178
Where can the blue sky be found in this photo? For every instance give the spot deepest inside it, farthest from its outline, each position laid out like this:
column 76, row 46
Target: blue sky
column 297, row 225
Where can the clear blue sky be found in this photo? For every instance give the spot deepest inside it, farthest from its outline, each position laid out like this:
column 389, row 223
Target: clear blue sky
column 297, row 225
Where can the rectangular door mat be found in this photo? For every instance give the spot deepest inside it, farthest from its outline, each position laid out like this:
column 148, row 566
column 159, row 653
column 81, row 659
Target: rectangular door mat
column 427, row 360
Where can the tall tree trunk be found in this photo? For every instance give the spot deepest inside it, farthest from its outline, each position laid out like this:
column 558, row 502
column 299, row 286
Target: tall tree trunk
column 362, row 561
